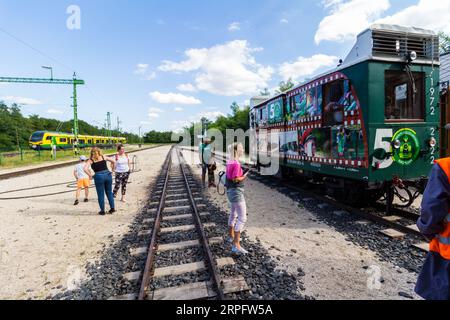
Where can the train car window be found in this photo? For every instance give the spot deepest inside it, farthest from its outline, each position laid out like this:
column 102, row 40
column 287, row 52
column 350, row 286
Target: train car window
column 299, row 106
column 401, row 102
column 49, row 138
column 347, row 143
column 63, row 140
column 82, row 141
column 36, row 137
column 334, row 104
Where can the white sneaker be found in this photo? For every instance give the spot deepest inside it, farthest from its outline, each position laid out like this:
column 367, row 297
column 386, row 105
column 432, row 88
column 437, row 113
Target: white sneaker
column 239, row 250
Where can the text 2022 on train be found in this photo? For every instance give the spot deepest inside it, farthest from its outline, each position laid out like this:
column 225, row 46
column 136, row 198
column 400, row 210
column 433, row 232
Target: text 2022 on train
column 368, row 128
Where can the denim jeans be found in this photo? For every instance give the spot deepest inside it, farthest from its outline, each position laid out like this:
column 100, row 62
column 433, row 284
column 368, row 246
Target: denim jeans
column 103, row 184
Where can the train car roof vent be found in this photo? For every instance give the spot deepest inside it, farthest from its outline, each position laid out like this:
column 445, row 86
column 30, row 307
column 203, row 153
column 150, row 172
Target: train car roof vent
column 394, row 43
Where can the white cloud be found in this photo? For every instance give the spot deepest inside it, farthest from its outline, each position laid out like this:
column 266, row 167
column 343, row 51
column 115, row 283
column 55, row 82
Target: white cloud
column 173, row 98
column 22, row 100
column 142, row 69
column 178, row 125
column 285, row 21
column 178, row 109
column 156, row 110
column 348, row 18
column 187, row 87
column 210, row 115
column 54, row 111
column 235, row 26
column 151, row 75
column 304, row 67
column 153, row 115
column 228, row 69
column 427, row 14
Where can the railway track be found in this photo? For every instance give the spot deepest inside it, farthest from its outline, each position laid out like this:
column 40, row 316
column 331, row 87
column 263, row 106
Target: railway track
column 177, row 223
column 400, row 223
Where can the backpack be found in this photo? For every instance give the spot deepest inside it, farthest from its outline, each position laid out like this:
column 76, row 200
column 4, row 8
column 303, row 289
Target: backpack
column 222, row 182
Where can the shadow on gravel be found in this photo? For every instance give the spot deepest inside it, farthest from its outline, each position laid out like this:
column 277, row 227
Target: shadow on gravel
column 399, row 253
column 258, row 268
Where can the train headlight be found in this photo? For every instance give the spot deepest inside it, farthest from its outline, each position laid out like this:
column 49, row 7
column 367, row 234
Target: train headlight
column 412, row 56
column 397, row 144
column 433, row 142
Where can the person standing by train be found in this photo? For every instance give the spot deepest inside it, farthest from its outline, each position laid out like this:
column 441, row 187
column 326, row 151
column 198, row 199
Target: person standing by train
column 434, row 223
column 122, row 170
column 235, row 194
column 206, row 154
column 102, row 178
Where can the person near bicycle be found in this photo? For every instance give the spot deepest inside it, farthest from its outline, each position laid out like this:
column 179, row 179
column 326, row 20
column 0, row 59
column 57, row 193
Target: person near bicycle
column 206, row 154
column 235, row 178
column 434, row 223
column 83, row 181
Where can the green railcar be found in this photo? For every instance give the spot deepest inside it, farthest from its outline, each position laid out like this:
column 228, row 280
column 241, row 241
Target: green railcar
column 368, row 127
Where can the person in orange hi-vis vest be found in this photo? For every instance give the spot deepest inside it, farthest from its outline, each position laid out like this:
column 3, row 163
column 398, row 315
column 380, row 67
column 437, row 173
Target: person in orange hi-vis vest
column 434, row 223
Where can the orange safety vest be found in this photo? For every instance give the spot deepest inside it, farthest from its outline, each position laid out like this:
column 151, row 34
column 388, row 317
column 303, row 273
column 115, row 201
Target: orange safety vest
column 441, row 244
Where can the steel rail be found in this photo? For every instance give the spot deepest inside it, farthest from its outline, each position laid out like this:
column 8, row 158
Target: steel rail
column 217, row 283
column 366, row 215
column 147, row 275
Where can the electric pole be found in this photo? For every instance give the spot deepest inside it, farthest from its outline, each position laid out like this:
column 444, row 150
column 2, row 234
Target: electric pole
column 74, row 81
column 108, row 123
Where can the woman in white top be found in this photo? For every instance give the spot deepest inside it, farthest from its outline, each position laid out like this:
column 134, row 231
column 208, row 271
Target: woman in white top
column 122, row 170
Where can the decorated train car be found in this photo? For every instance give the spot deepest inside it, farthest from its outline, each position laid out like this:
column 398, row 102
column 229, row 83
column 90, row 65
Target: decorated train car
column 368, row 129
column 43, row 140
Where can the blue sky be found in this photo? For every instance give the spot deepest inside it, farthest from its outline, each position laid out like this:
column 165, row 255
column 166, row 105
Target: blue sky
column 134, row 55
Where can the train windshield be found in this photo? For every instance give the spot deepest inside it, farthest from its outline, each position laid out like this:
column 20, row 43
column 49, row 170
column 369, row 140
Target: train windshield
column 37, row 136
column 404, row 96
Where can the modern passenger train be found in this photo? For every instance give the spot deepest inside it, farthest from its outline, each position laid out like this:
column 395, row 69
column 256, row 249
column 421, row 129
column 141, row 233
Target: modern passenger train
column 43, row 140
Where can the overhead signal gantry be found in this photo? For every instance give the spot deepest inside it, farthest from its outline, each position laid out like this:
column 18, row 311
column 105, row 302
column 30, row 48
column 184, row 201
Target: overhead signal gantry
column 74, row 82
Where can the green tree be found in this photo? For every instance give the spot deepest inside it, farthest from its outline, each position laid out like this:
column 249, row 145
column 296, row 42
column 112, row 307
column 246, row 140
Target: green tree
column 285, row 86
column 14, row 126
column 444, row 42
column 265, row 93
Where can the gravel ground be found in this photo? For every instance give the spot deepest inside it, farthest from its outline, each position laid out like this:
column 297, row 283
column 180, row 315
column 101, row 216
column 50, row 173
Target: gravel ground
column 337, row 256
column 46, row 243
column 259, row 269
column 297, row 251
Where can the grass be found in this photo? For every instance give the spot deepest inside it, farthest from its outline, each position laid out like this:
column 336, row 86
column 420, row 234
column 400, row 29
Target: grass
column 31, row 157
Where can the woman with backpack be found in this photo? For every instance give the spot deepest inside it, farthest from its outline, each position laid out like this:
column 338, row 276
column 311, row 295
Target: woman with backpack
column 122, row 170
column 235, row 178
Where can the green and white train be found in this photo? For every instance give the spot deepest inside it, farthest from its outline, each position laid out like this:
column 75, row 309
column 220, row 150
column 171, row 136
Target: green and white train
column 368, row 127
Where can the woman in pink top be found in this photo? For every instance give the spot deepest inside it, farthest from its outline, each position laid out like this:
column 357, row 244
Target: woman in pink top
column 235, row 194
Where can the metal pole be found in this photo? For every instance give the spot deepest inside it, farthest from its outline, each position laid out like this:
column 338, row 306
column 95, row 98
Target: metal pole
column 75, row 115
